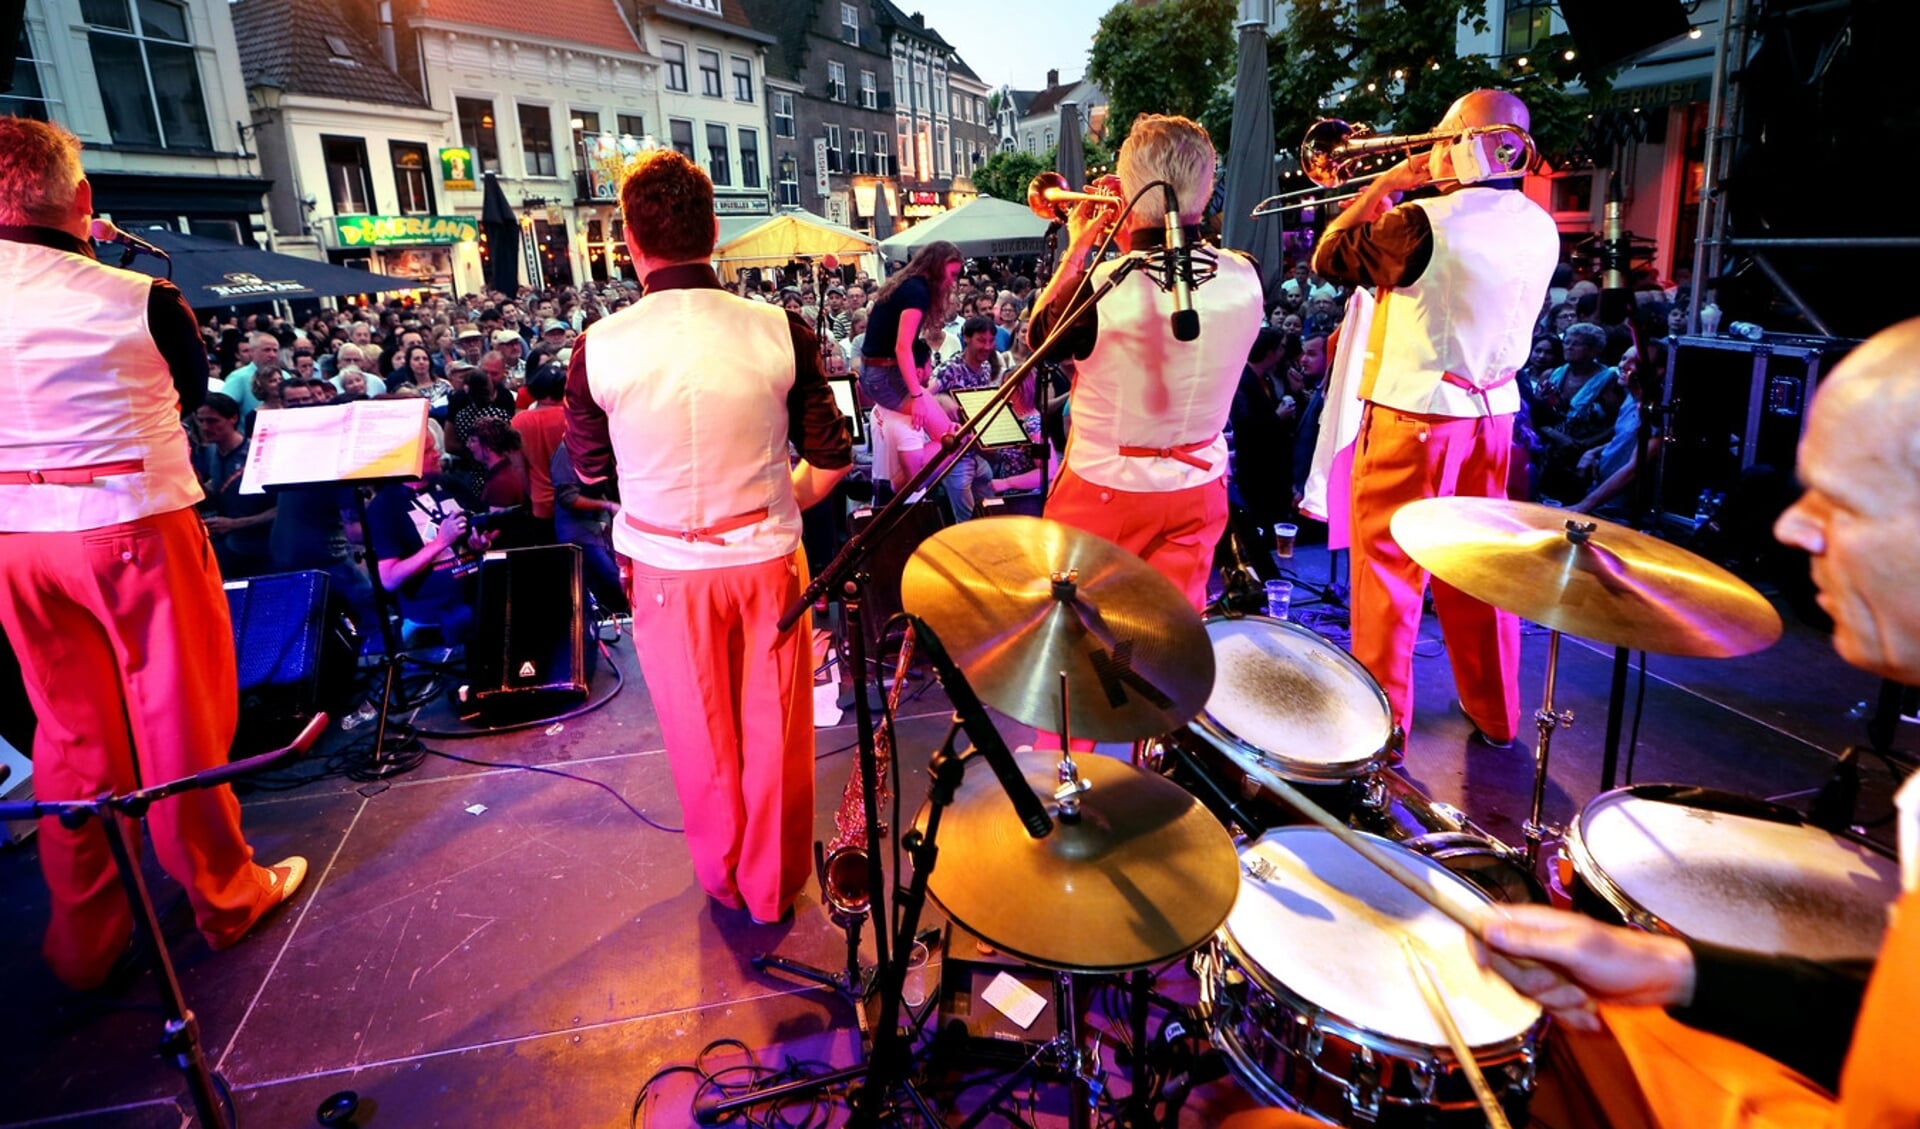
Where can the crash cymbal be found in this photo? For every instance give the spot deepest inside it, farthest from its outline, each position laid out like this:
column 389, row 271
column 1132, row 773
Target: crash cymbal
column 1137, row 659
column 1612, row 584
column 1144, row 875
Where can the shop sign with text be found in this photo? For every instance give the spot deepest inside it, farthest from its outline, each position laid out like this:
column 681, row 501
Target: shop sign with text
column 404, row 231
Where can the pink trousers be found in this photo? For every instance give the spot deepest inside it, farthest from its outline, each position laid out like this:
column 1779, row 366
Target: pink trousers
column 127, row 654
column 1401, row 458
column 735, row 701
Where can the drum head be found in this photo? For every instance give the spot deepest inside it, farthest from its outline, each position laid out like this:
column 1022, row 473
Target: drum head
column 1326, row 926
column 1281, row 689
column 1736, row 880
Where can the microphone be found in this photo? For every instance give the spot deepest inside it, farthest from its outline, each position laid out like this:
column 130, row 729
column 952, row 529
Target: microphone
column 1179, row 268
column 104, row 232
column 1616, row 257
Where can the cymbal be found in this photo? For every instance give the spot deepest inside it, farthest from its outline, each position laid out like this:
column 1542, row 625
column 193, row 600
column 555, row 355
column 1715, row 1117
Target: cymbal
column 1137, row 659
column 1145, row 874
column 1613, row 585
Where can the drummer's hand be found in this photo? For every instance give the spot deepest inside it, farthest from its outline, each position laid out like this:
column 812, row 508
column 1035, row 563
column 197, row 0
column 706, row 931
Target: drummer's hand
column 1572, row 963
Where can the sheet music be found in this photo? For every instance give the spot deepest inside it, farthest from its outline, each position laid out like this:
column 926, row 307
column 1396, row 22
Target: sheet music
column 337, row 442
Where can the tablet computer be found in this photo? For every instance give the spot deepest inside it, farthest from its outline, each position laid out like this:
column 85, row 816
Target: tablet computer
column 1003, row 430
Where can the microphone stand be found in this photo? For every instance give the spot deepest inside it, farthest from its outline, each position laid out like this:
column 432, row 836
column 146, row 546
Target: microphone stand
column 122, row 816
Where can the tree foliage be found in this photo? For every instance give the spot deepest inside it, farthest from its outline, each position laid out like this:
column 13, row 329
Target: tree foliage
column 1004, row 175
column 1168, row 57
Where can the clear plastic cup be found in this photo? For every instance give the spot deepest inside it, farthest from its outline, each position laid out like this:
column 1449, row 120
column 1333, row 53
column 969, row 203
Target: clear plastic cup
column 1279, row 598
column 913, row 992
column 1283, row 535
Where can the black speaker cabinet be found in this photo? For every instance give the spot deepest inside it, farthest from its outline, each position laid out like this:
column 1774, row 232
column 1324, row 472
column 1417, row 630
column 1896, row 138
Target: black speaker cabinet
column 1736, row 404
column 919, row 521
column 527, row 655
column 296, row 647
column 1608, row 32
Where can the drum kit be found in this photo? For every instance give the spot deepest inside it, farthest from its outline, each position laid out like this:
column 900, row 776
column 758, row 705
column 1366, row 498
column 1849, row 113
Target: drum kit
column 1326, row 906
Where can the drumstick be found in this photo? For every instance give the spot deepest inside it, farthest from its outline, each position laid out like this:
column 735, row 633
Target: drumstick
column 1398, row 871
column 1437, row 1004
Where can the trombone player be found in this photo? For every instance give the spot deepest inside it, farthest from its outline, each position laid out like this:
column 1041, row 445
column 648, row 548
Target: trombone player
column 1459, row 278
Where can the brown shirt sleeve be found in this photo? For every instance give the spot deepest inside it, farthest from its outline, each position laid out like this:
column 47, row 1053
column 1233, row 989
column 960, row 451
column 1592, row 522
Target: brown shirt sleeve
column 1391, row 251
column 814, row 423
column 177, row 335
column 589, row 443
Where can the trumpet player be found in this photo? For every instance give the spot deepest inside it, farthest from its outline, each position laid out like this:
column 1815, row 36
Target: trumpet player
column 1459, row 278
column 1146, row 461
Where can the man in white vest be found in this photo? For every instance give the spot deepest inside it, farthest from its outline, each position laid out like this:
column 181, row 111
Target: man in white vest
column 691, row 398
column 1460, row 277
column 1146, row 461
column 108, row 586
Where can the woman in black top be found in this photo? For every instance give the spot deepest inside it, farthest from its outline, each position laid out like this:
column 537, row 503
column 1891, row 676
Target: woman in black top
column 888, row 374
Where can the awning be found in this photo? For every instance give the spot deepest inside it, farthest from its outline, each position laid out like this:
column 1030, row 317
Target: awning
column 982, row 227
column 212, row 273
column 750, row 241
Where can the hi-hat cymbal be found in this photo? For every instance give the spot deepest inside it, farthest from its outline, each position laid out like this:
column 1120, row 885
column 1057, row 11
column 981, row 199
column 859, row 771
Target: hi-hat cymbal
column 1137, row 659
column 1611, row 584
column 1143, row 875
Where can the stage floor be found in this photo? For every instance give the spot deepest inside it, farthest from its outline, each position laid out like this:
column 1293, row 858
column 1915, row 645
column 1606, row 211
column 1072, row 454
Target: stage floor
column 490, row 945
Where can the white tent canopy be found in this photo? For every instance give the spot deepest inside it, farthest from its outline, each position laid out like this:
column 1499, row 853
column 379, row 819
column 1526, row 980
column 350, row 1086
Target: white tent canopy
column 981, row 227
column 773, row 241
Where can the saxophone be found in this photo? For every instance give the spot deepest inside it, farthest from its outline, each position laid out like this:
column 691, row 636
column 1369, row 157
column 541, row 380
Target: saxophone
column 844, row 872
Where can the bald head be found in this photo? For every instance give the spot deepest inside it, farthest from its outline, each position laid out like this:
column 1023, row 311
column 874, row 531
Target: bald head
column 1486, row 107
column 1874, row 397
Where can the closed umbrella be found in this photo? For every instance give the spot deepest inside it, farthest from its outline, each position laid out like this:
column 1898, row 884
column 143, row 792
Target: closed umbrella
column 1070, row 160
column 503, row 237
column 882, row 218
column 1250, row 177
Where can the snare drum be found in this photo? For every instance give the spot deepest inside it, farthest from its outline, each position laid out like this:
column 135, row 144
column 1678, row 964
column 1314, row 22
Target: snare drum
column 1308, row 995
column 1721, row 868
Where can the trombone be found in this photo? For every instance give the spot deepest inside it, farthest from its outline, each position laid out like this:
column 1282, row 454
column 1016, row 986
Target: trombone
column 1332, row 149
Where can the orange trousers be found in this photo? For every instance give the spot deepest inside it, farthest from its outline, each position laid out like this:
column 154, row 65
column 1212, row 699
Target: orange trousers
column 127, row 653
column 1401, row 458
column 735, row 702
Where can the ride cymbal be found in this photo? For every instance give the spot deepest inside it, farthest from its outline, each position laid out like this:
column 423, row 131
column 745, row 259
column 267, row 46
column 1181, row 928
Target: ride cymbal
column 1583, row 576
column 1144, row 874
column 1018, row 600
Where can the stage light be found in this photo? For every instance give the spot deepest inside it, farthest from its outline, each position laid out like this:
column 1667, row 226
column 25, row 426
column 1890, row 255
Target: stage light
column 1521, row 61
column 1693, row 32
column 1568, row 56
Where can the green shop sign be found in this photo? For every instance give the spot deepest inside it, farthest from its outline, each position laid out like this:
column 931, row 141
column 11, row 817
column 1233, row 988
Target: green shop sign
column 404, row 231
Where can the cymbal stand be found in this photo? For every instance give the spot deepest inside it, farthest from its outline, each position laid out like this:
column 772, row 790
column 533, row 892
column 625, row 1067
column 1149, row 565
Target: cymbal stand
column 1547, row 720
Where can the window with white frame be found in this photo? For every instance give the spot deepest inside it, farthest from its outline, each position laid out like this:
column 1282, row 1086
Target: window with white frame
column 832, row 133
column 719, row 163
column 27, row 99
column 709, row 72
column 882, row 154
column 869, row 90
column 676, row 56
column 905, row 129
column 837, row 81
column 704, row 5
column 536, row 139
column 742, row 79
column 782, row 114
column 850, row 23
column 348, row 178
column 857, row 151
column 920, row 86
column 149, row 76
column 788, row 187
column 749, row 158
column 940, row 147
column 680, row 132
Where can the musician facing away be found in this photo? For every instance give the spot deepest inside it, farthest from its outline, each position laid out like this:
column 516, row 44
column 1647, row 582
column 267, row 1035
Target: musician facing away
column 1146, row 460
column 698, row 434
column 1459, row 278
column 1657, row 1031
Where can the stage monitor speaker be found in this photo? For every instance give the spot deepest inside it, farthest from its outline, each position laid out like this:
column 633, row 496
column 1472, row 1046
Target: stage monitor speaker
column 296, row 647
column 1737, row 404
column 527, row 656
column 984, row 1031
column 1609, row 32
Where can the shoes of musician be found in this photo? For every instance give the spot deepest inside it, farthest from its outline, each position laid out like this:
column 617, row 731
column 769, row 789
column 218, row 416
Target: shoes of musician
column 1480, row 736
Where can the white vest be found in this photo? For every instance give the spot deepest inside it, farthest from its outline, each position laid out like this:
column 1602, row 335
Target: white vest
column 1142, row 388
column 82, row 383
column 694, row 383
column 1471, row 312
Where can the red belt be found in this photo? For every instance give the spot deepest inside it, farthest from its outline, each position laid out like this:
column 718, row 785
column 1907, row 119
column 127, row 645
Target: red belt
column 1462, row 382
column 72, row 475
column 707, row 534
column 1183, row 453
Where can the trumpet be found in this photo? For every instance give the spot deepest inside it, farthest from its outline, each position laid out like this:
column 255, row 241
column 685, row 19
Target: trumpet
column 1049, row 196
column 1332, row 149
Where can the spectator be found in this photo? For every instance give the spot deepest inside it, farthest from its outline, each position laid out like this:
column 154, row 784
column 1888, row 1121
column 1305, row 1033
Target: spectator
column 541, row 428
column 239, row 524
column 1611, row 468
column 976, row 366
column 245, row 384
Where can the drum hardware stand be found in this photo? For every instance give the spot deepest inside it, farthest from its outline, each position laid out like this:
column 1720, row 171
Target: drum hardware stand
column 1547, row 719
column 120, row 817
column 890, row 1061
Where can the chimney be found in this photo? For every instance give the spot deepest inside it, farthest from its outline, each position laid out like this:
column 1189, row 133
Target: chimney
column 388, row 46
column 918, row 20
column 1053, row 77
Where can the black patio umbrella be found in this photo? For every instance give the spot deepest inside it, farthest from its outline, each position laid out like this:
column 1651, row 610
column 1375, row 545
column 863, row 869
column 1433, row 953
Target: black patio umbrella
column 1070, row 160
column 213, row 273
column 503, row 237
column 1250, row 176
